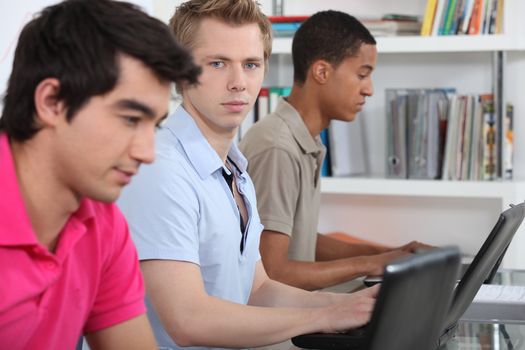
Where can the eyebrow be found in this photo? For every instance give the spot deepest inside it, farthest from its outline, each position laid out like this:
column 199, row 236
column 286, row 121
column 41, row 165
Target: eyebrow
column 137, row 106
column 224, row 58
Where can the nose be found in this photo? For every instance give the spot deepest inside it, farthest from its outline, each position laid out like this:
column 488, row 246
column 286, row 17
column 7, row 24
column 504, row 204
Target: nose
column 143, row 148
column 368, row 88
column 236, row 81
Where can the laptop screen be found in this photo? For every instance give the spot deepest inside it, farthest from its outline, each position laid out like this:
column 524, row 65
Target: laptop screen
column 485, row 262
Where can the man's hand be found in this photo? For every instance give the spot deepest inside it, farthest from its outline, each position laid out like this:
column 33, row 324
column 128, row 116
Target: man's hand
column 353, row 312
column 377, row 262
column 413, row 246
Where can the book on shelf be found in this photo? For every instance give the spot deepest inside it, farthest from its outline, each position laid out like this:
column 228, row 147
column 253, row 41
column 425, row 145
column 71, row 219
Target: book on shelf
column 287, row 19
column 437, row 133
column 264, row 105
column 382, row 27
column 489, row 137
column 463, row 17
column 508, row 142
column 396, row 140
column 415, row 121
column 326, row 168
column 400, row 17
column 428, row 18
column 348, row 156
column 286, row 26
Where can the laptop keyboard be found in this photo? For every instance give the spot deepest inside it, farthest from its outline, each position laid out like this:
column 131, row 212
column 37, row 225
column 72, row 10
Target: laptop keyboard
column 494, row 293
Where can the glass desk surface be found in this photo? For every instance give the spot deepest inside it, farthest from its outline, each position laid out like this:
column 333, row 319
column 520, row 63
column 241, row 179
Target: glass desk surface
column 481, row 335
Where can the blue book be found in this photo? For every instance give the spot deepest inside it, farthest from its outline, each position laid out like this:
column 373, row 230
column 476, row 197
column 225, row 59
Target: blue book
column 326, row 168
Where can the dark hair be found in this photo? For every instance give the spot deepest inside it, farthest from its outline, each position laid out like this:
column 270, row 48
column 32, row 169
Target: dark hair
column 327, row 35
column 78, row 43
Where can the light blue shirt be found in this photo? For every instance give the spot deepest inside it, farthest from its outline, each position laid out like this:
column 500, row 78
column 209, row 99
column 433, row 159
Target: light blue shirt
column 181, row 208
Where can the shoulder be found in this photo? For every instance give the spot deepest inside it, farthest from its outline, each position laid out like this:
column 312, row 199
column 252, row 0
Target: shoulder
column 106, row 230
column 106, row 215
column 270, row 133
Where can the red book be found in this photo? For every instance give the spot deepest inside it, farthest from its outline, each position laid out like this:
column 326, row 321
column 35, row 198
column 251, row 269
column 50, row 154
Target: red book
column 287, row 19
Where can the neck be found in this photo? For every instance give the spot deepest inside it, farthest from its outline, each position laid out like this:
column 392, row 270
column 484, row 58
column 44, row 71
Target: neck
column 219, row 139
column 221, row 145
column 307, row 105
column 48, row 203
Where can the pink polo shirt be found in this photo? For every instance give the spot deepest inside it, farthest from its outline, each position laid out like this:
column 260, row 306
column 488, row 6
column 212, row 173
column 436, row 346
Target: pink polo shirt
column 91, row 282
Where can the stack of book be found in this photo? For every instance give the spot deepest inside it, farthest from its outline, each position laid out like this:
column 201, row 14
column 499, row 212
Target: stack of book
column 393, row 25
column 285, row 26
column 439, row 134
column 460, row 17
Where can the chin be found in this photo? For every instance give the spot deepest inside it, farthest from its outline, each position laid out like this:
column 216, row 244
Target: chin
column 105, row 197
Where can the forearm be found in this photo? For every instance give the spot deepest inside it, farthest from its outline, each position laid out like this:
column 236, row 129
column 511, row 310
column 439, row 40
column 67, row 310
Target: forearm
column 217, row 323
column 329, row 248
column 318, row 275
column 276, row 294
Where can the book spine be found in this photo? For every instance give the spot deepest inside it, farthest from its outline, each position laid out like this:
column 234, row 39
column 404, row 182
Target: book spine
column 438, row 17
column 489, row 136
column 430, row 11
column 475, row 18
column 263, row 103
column 508, row 143
column 466, row 17
column 450, row 17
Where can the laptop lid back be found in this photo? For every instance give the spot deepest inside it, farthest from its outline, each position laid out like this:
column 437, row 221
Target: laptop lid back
column 490, row 255
column 413, row 301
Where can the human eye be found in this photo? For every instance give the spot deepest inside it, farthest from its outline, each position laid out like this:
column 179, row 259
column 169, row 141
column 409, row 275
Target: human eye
column 217, row 64
column 252, row 65
column 363, row 75
column 131, row 120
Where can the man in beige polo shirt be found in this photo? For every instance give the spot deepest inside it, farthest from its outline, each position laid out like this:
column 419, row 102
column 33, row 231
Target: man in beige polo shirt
column 332, row 79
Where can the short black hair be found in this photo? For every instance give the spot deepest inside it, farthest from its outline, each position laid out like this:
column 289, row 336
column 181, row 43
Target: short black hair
column 78, row 42
column 327, row 35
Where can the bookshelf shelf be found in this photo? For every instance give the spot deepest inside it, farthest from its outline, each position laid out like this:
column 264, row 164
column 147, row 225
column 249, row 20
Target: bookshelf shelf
column 504, row 190
column 418, row 44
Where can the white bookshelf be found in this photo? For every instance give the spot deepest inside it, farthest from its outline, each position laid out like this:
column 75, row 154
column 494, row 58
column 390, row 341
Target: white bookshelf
column 433, row 44
column 438, row 212
column 423, row 188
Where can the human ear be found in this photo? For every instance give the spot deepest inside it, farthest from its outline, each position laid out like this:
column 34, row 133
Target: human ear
column 321, row 71
column 49, row 109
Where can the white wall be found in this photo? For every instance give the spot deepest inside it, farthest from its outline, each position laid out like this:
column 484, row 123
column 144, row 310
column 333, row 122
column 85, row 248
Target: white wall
column 13, row 16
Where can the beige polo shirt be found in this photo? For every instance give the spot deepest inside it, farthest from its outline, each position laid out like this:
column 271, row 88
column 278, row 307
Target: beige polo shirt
column 284, row 162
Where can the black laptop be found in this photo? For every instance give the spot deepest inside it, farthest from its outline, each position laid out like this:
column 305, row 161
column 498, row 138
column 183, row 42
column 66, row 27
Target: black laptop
column 402, row 318
column 483, row 266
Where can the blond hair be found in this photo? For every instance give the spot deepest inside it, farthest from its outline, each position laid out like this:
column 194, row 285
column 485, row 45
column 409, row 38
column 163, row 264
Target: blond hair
column 186, row 20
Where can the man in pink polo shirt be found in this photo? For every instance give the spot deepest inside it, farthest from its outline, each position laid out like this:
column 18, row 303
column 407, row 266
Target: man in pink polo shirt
column 90, row 82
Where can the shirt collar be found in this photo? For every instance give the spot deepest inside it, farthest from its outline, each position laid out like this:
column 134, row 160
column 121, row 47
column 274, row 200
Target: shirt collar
column 300, row 132
column 200, row 153
column 15, row 226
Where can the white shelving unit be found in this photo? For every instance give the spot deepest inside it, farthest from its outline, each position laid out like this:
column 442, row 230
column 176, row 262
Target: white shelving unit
column 437, row 212
column 506, row 191
column 418, row 44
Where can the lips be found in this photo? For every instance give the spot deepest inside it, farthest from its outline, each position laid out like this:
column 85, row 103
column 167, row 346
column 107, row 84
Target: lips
column 234, row 106
column 124, row 176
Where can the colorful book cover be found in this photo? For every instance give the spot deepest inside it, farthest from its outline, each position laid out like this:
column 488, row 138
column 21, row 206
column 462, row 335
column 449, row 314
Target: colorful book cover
column 428, row 19
column 285, row 19
column 508, row 142
column 489, row 137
